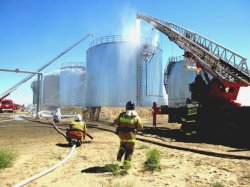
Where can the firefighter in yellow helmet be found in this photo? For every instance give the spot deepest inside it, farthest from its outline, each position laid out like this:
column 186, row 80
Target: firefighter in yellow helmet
column 127, row 123
column 77, row 130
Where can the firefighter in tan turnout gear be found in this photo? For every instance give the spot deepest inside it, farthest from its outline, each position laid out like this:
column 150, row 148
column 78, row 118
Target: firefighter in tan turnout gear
column 127, row 123
column 77, row 129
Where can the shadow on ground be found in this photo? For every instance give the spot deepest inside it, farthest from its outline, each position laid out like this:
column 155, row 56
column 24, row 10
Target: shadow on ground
column 63, row 145
column 95, row 169
column 113, row 169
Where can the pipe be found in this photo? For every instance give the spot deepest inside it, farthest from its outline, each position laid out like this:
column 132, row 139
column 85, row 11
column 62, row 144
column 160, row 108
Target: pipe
column 46, row 65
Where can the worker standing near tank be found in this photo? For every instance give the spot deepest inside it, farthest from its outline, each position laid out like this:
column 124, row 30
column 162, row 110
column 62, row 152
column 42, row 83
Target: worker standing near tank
column 77, row 129
column 155, row 110
column 127, row 124
column 189, row 118
column 57, row 117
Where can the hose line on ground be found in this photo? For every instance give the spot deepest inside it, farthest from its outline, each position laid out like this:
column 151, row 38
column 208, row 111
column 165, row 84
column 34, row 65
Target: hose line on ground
column 47, row 170
column 59, row 130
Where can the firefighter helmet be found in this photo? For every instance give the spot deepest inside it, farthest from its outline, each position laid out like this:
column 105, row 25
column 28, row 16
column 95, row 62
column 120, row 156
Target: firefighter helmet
column 130, row 106
column 78, row 117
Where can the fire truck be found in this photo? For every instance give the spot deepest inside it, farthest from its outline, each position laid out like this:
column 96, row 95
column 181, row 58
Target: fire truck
column 7, row 105
column 209, row 75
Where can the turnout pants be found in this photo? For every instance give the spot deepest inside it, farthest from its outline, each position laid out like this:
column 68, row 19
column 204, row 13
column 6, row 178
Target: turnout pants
column 126, row 148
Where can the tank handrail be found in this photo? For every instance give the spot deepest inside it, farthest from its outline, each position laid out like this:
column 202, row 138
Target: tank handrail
column 119, row 38
column 173, row 59
column 72, row 65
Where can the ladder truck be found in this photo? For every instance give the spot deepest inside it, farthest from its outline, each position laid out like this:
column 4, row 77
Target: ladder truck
column 211, row 76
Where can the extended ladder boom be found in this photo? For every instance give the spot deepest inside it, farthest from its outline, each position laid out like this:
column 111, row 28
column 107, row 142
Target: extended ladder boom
column 224, row 63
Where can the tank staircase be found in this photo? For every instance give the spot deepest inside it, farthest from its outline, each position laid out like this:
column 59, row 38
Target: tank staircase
column 139, row 77
column 221, row 62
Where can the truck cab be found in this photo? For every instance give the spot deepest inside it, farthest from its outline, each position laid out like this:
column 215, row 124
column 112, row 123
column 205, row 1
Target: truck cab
column 7, row 105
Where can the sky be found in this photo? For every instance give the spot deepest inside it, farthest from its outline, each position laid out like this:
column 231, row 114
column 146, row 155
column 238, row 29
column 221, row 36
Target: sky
column 33, row 32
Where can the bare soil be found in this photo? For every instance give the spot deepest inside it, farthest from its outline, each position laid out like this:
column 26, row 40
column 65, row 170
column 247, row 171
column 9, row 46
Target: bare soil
column 40, row 146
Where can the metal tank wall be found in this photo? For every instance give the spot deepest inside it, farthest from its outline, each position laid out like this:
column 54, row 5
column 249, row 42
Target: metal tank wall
column 177, row 80
column 152, row 75
column 116, row 74
column 72, row 83
column 51, row 89
column 34, row 90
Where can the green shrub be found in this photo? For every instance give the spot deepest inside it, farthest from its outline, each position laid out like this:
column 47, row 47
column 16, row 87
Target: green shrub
column 152, row 162
column 118, row 184
column 217, row 184
column 115, row 169
column 247, row 176
column 198, row 163
column 7, row 158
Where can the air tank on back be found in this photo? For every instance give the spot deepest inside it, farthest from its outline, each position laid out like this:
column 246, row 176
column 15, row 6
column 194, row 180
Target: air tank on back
column 51, row 90
column 72, row 83
column 120, row 69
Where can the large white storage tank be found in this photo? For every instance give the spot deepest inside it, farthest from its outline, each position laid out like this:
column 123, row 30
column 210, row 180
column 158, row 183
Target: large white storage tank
column 72, row 83
column 177, row 80
column 119, row 70
column 51, row 89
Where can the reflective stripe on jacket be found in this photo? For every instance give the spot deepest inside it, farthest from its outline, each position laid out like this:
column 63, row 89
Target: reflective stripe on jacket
column 190, row 115
column 126, row 126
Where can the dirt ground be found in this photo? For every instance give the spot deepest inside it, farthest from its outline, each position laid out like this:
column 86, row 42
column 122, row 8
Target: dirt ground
column 40, row 146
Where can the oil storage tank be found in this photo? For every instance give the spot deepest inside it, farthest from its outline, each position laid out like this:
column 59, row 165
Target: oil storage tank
column 72, row 83
column 51, row 90
column 120, row 69
column 177, row 80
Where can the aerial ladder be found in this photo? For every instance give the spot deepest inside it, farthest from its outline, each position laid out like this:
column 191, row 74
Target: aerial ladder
column 228, row 67
column 216, row 59
column 227, row 70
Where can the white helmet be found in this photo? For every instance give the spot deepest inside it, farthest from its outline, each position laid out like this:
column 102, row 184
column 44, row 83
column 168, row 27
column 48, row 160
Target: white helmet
column 78, row 117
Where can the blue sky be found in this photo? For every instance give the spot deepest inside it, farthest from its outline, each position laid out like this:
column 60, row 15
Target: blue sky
column 32, row 32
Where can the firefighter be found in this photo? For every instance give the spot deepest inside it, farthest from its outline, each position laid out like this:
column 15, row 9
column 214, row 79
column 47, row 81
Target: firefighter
column 189, row 118
column 57, row 117
column 155, row 110
column 77, row 129
column 127, row 123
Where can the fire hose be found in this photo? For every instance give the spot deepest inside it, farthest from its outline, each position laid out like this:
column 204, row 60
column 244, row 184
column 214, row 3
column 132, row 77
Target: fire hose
column 91, row 137
column 6, row 120
column 47, row 170
column 53, row 167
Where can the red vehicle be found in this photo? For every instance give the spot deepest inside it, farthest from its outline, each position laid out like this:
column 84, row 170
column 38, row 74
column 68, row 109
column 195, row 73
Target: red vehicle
column 7, row 105
column 212, row 77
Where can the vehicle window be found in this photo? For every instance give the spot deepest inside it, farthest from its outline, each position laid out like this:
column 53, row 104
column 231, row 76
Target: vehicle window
column 7, row 102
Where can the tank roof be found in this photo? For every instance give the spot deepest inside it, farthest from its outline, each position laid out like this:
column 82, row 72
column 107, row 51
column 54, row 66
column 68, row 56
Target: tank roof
column 119, row 38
